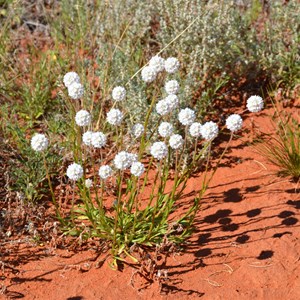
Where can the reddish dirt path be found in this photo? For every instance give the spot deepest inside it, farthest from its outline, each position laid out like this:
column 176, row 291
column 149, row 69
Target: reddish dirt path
column 246, row 246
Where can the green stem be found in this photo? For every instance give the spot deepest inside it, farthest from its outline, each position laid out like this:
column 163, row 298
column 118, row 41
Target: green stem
column 51, row 190
column 121, row 175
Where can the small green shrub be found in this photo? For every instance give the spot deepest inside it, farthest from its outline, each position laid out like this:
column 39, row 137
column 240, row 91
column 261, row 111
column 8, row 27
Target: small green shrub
column 282, row 148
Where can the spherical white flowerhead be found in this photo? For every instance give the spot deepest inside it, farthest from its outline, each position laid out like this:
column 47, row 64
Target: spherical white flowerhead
column 172, row 101
column 39, row 142
column 157, row 63
column 172, row 64
column 87, row 138
column 148, row 74
column 137, row 130
column 137, row 169
column 162, row 107
column 176, row 141
column 165, row 129
column 209, row 130
column 186, row 116
column 119, row 93
column 88, row 183
column 234, row 122
column 195, row 129
column 172, row 87
column 122, row 160
column 255, row 103
column 74, row 171
column 159, row 150
column 98, row 139
column 75, row 90
column 83, row 118
column 114, row 117
column 70, row 78
column 105, row 172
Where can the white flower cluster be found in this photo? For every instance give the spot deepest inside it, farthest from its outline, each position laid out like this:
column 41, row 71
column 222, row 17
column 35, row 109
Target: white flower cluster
column 123, row 160
column 137, row 169
column 74, row 171
column 87, row 138
column 98, row 139
column 255, row 104
column 165, row 129
column 137, row 130
column 72, row 82
column 172, row 87
column 148, row 74
column 157, row 63
column 234, row 122
column 163, row 107
column 70, row 78
column 105, row 171
column 83, row 118
column 209, row 131
column 76, row 90
column 195, row 130
column 172, row 101
column 39, row 142
column 176, row 141
column 114, row 117
column 186, row 116
column 172, row 65
column 88, row 183
column 159, row 150
column 119, row 93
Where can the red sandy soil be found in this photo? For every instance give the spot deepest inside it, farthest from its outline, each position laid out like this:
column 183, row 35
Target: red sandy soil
column 246, row 245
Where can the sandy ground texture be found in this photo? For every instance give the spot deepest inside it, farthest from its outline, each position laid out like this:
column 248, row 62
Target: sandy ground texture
column 246, row 246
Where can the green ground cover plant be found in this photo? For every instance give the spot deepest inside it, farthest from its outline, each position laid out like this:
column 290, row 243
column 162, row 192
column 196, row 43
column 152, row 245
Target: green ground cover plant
column 224, row 49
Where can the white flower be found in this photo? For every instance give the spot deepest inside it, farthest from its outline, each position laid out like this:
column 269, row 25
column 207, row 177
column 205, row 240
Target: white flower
column 75, row 90
column 123, row 160
column 75, row 171
column 137, row 169
column 137, row 130
column 87, row 138
column 88, row 183
column 105, row 172
column 255, row 103
column 157, row 63
column 172, row 64
column 186, row 116
column 172, row 87
column 83, row 118
column 165, row 129
column 162, row 107
column 98, row 139
column 70, row 78
column 209, row 130
column 172, row 101
column 159, row 150
column 114, row 117
column 39, row 142
column 195, row 129
column 176, row 141
column 234, row 122
column 119, row 93
column 148, row 74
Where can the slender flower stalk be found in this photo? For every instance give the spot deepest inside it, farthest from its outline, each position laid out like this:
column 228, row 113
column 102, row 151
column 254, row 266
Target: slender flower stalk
column 51, row 189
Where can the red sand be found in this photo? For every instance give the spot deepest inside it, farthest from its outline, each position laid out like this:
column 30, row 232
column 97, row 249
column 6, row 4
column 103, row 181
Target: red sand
column 246, row 246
